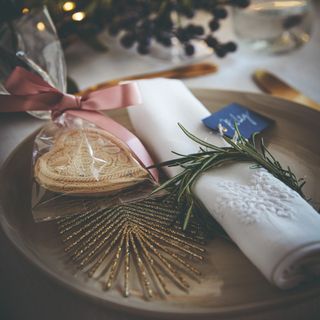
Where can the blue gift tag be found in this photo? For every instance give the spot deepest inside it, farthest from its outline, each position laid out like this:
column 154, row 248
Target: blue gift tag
column 248, row 121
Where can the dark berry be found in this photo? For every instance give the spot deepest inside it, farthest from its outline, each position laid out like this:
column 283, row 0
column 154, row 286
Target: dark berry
column 164, row 23
column 190, row 28
column 127, row 40
column 183, row 35
column 242, row 3
column 214, row 25
column 220, row 13
column 230, row 46
column 220, row 51
column 189, row 49
column 143, row 49
column 167, row 42
column 198, row 30
column 211, row 41
column 164, row 39
column 146, row 41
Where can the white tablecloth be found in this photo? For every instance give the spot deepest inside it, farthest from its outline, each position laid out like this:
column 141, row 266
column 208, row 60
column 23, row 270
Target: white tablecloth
column 300, row 68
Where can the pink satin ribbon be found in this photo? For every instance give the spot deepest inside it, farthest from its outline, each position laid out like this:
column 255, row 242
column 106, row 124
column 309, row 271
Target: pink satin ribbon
column 28, row 92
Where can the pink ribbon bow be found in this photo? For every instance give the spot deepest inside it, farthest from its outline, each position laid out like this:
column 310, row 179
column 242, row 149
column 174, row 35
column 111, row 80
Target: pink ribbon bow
column 28, row 92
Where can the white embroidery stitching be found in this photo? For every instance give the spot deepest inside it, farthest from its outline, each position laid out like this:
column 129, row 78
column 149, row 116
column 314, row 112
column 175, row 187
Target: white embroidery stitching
column 264, row 197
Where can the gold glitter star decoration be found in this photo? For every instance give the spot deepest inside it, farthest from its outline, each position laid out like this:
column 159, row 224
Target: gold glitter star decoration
column 138, row 243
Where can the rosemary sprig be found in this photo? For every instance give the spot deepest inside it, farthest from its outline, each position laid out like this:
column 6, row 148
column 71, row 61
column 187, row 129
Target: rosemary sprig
column 211, row 156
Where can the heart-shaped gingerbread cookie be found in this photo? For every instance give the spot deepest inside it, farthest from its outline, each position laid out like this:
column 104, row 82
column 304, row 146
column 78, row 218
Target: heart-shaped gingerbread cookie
column 88, row 161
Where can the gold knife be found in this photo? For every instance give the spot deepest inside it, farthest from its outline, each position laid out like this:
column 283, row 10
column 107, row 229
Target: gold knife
column 189, row 71
column 271, row 84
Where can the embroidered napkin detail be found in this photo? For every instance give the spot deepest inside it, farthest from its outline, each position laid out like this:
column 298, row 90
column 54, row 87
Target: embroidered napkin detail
column 263, row 198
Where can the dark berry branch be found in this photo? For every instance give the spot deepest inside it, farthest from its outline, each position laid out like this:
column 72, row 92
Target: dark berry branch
column 138, row 23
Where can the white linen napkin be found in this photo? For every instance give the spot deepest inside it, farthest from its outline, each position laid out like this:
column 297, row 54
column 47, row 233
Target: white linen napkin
column 272, row 225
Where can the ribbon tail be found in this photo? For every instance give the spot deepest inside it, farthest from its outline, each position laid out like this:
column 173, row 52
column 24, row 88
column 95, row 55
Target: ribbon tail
column 106, row 123
column 41, row 101
column 23, row 82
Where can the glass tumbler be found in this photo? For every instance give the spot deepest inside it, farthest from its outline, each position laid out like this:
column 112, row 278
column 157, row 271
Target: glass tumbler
column 274, row 26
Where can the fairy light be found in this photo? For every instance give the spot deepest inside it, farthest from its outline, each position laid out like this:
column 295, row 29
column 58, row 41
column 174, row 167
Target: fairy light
column 41, row 26
column 68, row 6
column 25, row 10
column 78, row 16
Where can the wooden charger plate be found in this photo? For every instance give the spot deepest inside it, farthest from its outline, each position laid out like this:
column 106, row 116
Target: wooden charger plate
column 231, row 287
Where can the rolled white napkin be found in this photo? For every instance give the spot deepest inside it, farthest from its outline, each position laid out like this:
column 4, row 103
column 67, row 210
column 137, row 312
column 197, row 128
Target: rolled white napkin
column 272, row 225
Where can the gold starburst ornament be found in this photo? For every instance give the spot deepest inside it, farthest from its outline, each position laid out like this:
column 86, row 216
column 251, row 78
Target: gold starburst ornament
column 138, row 242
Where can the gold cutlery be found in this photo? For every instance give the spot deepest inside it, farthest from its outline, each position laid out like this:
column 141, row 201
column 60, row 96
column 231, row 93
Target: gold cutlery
column 189, row 71
column 271, row 84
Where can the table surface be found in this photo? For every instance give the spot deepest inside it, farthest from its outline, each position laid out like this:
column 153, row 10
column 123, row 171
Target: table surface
column 300, row 68
column 27, row 293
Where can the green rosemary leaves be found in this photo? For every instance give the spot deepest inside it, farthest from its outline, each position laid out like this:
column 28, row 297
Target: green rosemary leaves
column 210, row 156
